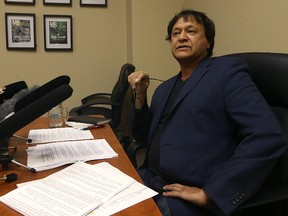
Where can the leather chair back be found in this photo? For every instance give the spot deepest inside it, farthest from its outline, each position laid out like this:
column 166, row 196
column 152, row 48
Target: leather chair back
column 119, row 91
column 270, row 73
column 114, row 99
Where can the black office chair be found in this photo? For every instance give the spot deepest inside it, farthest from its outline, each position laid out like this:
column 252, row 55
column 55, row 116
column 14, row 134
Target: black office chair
column 270, row 73
column 107, row 104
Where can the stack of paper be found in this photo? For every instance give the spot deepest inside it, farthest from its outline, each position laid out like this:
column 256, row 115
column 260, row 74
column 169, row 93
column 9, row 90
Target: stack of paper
column 51, row 155
column 77, row 190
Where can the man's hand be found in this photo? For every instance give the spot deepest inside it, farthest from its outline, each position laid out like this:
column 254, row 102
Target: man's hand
column 139, row 82
column 191, row 194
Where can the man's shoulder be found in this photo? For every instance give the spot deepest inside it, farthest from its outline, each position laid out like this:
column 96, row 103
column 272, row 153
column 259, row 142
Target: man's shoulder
column 225, row 63
column 227, row 59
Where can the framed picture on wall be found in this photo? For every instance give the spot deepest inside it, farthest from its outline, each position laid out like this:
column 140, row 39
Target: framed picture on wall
column 20, row 31
column 102, row 3
column 57, row 2
column 58, row 32
column 32, row 2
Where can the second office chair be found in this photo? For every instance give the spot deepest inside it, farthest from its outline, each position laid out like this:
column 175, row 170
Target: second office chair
column 107, row 104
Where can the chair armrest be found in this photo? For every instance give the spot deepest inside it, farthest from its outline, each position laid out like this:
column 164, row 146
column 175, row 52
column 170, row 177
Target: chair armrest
column 95, row 96
column 100, row 100
column 132, row 150
column 91, row 103
column 271, row 194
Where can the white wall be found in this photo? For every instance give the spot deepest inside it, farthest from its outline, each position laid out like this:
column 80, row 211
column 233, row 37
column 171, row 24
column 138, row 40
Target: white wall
column 151, row 52
column 134, row 31
column 99, row 49
column 247, row 26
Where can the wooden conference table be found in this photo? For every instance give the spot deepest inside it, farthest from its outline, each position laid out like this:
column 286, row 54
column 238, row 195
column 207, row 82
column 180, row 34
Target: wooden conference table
column 147, row 207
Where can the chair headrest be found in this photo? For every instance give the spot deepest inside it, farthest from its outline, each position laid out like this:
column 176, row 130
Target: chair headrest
column 270, row 73
column 120, row 89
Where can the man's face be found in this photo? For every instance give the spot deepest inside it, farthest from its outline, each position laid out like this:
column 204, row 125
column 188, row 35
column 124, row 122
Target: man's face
column 188, row 40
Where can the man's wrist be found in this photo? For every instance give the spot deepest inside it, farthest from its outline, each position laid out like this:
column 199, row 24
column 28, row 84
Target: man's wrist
column 139, row 100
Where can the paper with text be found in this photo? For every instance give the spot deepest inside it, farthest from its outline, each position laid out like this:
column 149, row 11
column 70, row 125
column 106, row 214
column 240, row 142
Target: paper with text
column 51, row 155
column 132, row 195
column 75, row 190
column 58, row 135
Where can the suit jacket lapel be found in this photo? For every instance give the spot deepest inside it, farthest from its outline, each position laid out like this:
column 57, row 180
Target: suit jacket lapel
column 193, row 80
column 196, row 76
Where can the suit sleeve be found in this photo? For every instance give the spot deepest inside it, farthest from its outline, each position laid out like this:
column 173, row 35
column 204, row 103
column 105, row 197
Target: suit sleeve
column 141, row 120
column 261, row 142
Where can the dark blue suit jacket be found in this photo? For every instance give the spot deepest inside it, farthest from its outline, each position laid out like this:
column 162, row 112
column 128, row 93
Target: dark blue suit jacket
column 220, row 135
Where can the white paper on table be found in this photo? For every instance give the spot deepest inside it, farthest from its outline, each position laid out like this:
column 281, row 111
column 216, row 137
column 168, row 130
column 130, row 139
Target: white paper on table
column 132, row 195
column 75, row 190
column 51, row 155
column 78, row 125
column 58, row 134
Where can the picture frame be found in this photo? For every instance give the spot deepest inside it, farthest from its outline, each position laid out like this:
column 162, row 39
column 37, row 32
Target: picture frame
column 98, row 3
column 57, row 2
column 20, row 31
column 32, row 2
column 58, row 32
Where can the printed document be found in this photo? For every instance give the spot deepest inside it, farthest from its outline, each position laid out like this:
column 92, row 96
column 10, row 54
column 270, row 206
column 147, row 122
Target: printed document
column 75, row 190
column 132, row 195
column 51, row 155
column 58, row 135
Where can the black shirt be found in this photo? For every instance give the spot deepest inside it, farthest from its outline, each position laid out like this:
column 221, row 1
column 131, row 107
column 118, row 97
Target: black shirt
column 154, row 151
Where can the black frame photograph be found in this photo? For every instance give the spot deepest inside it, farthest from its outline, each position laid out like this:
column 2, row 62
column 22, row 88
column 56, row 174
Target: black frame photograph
column 57, row 2
column 32, row 2
column 20, row 31
column 58, row 32
column 99, row 3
